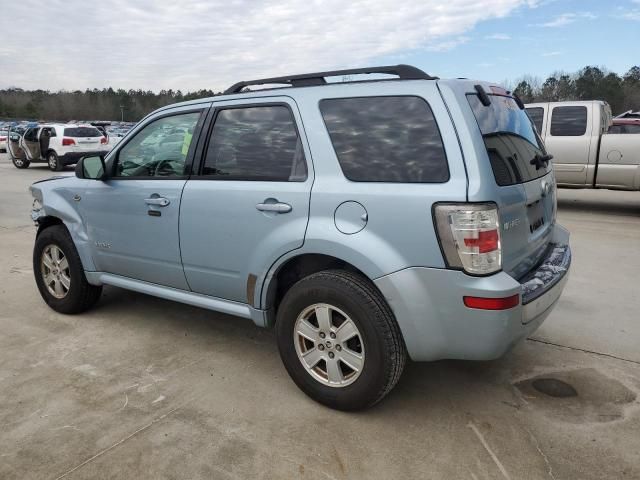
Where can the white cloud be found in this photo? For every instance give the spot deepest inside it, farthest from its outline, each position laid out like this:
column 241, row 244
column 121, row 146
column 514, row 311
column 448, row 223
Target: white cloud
column 551, row 54
column 566, row 19
column 498, row 36
column 191, row 44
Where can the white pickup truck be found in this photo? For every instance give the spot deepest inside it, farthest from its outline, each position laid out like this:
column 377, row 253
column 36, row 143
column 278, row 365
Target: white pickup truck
column 585, row 155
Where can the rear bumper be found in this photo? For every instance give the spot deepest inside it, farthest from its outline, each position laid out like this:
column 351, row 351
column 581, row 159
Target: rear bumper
column 70, row 158
column 435, row 323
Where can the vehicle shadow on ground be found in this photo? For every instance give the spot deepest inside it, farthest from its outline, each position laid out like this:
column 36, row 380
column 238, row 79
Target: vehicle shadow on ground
column 436, row 384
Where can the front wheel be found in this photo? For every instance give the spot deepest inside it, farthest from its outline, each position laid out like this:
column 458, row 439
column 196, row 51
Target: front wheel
column 20, row 162
column 339, row 340
column 59, row 274
column 54, row 162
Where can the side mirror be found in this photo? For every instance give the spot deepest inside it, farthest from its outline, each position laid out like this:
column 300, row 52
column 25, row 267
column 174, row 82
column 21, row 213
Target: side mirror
column 91, row 168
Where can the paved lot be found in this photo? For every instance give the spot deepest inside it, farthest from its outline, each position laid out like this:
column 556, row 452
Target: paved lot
column 144, row 388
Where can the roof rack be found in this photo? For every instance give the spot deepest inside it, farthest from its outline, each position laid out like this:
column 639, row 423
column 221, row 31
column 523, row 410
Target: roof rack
column 404, row 72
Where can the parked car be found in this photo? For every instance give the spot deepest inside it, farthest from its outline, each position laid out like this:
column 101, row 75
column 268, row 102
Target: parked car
column 56, row 144
column 625, row 125
column 4, row 134
column 367, row 220
column 586, row 154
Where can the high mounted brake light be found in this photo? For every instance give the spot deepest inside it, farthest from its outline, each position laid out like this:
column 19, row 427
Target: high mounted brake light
column 469, row 235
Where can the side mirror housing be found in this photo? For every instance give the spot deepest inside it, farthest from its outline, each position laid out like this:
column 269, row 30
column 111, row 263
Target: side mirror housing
column 91, row 168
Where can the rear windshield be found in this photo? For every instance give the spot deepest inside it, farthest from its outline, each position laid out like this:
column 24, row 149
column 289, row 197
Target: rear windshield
column 510, row 140
column 82, row 132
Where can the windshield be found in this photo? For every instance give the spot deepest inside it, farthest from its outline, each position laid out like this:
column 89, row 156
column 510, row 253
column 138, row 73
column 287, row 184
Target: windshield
column 515, row 150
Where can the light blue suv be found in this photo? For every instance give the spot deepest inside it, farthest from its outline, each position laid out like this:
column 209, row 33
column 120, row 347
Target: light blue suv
column 366, row 220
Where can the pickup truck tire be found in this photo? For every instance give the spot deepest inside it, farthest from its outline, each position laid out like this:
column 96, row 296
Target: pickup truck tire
column 360, row 322
column 59, row 274
column 20, row 163
column 54, row 162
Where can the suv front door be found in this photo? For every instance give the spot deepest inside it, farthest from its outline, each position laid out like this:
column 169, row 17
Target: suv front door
column 132, row 216
column 249, row 202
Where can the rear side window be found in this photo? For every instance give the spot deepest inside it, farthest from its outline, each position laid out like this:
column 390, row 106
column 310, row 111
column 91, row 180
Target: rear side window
column 536, row 114
column 82, row 132
column 568, row 121
column 386, row 139
column 255, row 143
column 512, row 144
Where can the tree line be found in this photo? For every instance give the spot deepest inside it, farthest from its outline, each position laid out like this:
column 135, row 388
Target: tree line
column 104, row 104
column 590, row 83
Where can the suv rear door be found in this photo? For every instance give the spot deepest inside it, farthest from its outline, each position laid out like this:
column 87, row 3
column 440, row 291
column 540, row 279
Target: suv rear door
column 247, row 203
column 525, row 192
column 30, row 143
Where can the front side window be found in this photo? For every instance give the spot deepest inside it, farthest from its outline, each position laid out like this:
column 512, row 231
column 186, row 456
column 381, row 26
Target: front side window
column 386, row 139
column 255, row 143
column 537, row 115
column 159, row 149
column 513, row 146
column 568, row 121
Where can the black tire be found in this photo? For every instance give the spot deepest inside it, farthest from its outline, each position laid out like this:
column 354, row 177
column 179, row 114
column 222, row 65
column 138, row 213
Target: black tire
column 20, row 163
column 54, row 162
column 80, row 295
column 383, row 344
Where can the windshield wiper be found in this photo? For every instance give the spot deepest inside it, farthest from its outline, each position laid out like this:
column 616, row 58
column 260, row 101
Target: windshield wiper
column 541, row 160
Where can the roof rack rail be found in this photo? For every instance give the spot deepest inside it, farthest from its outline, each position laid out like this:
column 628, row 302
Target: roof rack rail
column 404, row 72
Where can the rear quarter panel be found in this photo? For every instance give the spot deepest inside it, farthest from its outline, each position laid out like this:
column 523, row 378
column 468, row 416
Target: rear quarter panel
column 399, row 232
column 619, row 163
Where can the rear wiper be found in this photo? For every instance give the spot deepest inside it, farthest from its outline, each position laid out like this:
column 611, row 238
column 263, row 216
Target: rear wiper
column 541, row 160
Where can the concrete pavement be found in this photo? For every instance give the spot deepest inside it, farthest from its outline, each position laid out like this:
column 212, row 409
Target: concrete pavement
column 144, row 388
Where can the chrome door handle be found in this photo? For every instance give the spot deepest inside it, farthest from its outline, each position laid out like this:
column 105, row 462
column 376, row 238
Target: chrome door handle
column 157, row 201
column 274, row 207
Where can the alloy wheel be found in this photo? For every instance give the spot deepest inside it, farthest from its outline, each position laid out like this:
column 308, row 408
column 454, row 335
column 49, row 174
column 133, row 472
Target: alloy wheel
column 54, row 268
column 329, row 345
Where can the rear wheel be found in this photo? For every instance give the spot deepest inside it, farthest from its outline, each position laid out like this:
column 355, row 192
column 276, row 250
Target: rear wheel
column 54, row 162
column 59, row 274
column 20, row 162
column 339, row 340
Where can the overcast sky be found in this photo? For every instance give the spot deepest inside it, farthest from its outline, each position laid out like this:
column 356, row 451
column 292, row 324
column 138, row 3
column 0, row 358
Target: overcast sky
column 193, row 44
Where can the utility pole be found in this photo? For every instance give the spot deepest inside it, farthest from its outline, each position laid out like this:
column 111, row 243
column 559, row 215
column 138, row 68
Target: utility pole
column 122, row 113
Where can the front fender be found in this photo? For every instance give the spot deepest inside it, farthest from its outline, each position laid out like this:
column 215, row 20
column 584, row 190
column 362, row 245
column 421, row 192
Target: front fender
column 57, row 200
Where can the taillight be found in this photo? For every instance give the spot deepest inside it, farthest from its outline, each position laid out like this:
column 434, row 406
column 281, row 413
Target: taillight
column 470, row 236
column 68, row 141
column 104, row 141
column 2, row 139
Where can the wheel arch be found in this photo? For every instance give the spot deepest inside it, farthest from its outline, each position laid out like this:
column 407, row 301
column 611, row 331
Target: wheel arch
column 289, row 269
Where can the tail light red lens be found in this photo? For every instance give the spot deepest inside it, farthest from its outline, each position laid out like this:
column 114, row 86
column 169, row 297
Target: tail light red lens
column 104, row 141
column 482, row 303
column 487, row 241
column 68, row 142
